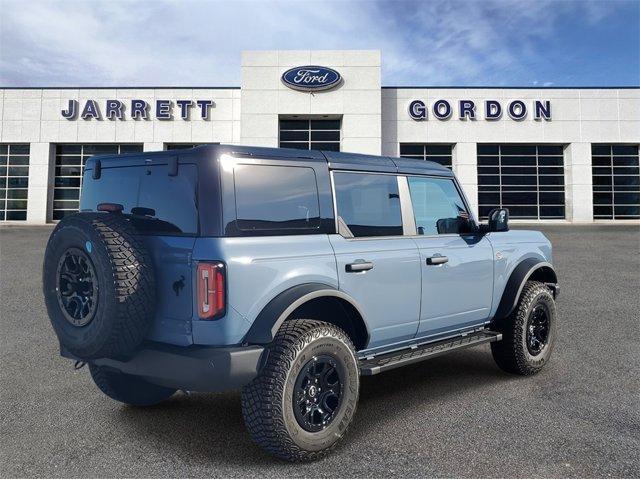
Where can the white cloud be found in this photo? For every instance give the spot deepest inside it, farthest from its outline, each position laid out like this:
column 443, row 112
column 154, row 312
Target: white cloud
column 198, row 43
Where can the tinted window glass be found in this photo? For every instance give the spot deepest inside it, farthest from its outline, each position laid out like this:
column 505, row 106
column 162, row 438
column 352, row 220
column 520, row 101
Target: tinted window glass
column 325, row 124
column 310, row 134
column 185, row 146
column 368, row 204
column 14, row 178
column 156, row 202
column 166, row 203
column 439, row 153
column 276, row 198
column 437, row 206
column 517, row 175
column 616, row 181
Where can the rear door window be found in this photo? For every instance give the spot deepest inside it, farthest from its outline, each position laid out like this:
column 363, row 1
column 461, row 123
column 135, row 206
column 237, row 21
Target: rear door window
column 277, row 199
column 368, row 204
column 437, row 206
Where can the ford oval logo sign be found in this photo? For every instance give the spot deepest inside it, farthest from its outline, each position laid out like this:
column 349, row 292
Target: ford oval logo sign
column 311, row 78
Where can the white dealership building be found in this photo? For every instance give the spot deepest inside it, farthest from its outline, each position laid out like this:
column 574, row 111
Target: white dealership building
column 547, row 154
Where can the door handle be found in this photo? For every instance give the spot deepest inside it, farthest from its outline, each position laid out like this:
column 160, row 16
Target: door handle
column 358, row 266
column 435, row 260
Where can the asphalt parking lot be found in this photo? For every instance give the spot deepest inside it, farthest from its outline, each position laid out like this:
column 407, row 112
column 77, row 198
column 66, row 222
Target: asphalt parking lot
column 453, row 416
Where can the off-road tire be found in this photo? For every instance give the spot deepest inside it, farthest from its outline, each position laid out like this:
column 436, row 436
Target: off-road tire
column 267, row 402
column 126, row 288
column 511, row 353
column 128, row 389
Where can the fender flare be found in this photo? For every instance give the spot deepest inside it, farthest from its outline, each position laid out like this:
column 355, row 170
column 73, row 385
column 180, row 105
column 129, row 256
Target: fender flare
column 267, row 323
column 517, row 280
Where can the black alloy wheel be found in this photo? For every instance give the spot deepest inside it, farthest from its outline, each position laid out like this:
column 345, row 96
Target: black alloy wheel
column 76, row 287
column 317, row 394
column 537, row 329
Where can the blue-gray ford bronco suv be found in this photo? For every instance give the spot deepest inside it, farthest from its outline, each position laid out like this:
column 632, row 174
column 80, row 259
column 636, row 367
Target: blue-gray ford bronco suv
column 287, row 274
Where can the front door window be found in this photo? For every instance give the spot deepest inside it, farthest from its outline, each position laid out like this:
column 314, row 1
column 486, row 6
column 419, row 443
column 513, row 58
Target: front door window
column 437, row 206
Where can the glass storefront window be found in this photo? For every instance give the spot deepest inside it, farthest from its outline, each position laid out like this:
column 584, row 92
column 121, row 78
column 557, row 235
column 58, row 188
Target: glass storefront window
column 310, row 134
column 441, row 154
column 526, row 179
column 616, row 182
column 14, row 181
column 184, row 146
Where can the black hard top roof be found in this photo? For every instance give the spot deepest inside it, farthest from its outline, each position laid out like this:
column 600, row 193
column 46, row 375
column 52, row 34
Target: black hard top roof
column 339, row 160
column 335, row 160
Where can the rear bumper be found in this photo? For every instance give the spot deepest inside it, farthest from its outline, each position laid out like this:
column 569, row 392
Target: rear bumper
column 193, row 368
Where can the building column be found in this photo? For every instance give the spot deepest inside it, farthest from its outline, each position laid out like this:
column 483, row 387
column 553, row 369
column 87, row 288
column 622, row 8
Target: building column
column 465, row 166
column 41, row 179
column 578, row 183
column 153, row 146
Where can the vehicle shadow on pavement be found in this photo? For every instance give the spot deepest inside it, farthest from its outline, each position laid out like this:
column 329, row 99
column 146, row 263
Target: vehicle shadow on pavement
column 205, row 429
column 387, row 396
column 208, row 429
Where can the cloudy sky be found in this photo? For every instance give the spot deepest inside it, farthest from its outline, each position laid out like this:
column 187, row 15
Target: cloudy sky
column 198, row 43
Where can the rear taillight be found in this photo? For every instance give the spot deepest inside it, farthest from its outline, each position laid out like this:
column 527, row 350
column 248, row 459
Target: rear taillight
column 211, row 290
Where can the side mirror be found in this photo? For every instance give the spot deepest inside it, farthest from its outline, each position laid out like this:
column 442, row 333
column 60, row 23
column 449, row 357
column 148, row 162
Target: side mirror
column 499, row 220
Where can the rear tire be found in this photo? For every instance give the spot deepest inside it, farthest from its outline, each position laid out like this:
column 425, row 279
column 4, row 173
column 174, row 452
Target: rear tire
column 128, row 389
column 528, row 333
column 305, row 397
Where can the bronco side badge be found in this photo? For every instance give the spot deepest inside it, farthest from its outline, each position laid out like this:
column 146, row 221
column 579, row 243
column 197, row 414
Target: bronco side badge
column 178, row 285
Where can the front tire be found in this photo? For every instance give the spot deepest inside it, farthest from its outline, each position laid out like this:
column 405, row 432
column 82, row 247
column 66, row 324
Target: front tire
column 528, row 333
column 128, row 389
column 304, row 399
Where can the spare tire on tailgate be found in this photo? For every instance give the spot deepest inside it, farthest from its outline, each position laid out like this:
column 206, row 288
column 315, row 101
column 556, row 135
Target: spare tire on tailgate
column 99, row 285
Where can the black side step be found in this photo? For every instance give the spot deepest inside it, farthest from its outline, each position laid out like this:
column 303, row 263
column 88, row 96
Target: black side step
column 416, row 353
